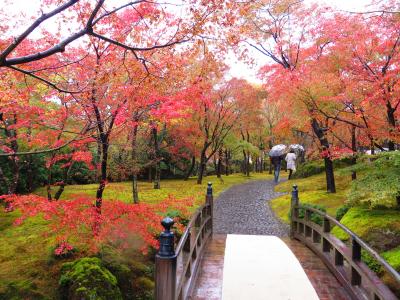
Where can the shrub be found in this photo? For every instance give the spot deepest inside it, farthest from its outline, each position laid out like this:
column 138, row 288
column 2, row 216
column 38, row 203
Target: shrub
column 87, row 278
column 309, row 168
column 341, row 211
column 315, row 167
column 316, row 218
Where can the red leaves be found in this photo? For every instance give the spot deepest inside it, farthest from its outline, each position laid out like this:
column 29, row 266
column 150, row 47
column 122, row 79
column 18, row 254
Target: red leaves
column 63, row 249
column 336, row 152
column 78, row 218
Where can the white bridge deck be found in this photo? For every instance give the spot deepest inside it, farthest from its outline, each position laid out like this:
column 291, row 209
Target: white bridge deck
column 263, row 267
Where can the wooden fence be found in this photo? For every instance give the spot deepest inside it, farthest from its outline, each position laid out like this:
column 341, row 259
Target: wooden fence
column 343, row 260
column 176, row 270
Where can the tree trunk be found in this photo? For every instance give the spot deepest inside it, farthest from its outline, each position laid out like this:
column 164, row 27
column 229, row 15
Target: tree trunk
column 61, row 188
column 48, row 188
column 4, row 181
column 97, row 159
column 330, row 177
column 244, row 162
column 202, row 167
column 135, row 190
column 135, row 194
column 372, row 147
column 215, row 163
column 29, row 174
column 219, row 164
column 227, row 156
column 248, row 164
column 270, row 161
column 392, row 124
column 103, row 179
column 157, row 174
column 29, row 171
column 14, row 160
column 191, row 168
column 354, row 149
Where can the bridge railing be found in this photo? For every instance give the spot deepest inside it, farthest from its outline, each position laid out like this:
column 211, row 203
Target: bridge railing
column 176, row 269
column 343, row 260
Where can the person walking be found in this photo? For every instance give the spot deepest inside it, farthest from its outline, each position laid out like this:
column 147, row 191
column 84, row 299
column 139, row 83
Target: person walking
column 291, row 162
column 276, row 162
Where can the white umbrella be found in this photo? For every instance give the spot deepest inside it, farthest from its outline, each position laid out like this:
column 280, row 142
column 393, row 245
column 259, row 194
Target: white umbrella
column 296, row 147
column 277, row 150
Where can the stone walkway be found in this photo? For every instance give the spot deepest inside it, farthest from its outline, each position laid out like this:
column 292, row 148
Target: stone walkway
column 242, row 209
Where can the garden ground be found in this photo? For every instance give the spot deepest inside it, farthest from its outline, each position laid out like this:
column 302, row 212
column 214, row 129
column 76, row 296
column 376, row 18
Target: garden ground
column 29, row 269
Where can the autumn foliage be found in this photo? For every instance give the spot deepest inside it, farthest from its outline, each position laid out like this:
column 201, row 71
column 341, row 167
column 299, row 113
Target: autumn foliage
column 75, row 222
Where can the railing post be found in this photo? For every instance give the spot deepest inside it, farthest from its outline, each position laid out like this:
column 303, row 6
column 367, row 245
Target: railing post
column 210, row 201
column 293, row 208
column 326, row 247
column 165, row 268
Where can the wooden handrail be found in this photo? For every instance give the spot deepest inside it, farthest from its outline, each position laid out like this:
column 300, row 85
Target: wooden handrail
column 176, row 270
column 344, row 261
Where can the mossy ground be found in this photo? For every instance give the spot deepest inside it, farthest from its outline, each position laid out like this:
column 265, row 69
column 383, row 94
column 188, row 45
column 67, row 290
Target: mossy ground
column 122, row 191
column 27, row 269
column 311, row 190
column 379, row 227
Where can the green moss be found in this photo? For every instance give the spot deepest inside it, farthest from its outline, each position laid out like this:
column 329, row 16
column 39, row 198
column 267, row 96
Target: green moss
column 378, row 187
column 87, row 278
column 379, row 228
column 179, row 188
column 331, row 202
column 341, row 211
column 27, row 266
column 393, row 258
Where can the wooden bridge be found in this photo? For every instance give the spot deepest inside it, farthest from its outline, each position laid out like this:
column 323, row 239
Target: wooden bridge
column 311, row 264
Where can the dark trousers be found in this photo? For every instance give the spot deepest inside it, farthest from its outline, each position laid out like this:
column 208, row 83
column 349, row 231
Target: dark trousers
column 277, row 169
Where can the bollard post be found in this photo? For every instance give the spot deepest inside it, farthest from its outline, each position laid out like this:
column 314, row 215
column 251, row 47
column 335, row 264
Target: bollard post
column 293, row 209
column 210, row 201
column 165, row 264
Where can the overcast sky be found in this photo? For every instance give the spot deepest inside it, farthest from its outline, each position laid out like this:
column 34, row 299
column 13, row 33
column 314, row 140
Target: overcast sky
column 238, row 69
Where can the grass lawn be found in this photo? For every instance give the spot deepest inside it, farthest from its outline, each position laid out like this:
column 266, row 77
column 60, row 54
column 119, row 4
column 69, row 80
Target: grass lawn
column 27, row 270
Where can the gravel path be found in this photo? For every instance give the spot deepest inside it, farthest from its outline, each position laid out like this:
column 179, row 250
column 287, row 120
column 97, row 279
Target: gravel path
column 242, row 209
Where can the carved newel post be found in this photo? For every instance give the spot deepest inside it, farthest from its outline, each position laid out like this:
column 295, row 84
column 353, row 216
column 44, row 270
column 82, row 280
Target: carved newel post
column 294, row 212
column 210, row 201
column 165, row 272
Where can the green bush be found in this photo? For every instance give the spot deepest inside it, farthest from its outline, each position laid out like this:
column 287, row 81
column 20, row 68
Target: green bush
column 341, row 211
column 309, row 168
column 316, row 218
column 315, row 167
column 87, row 278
